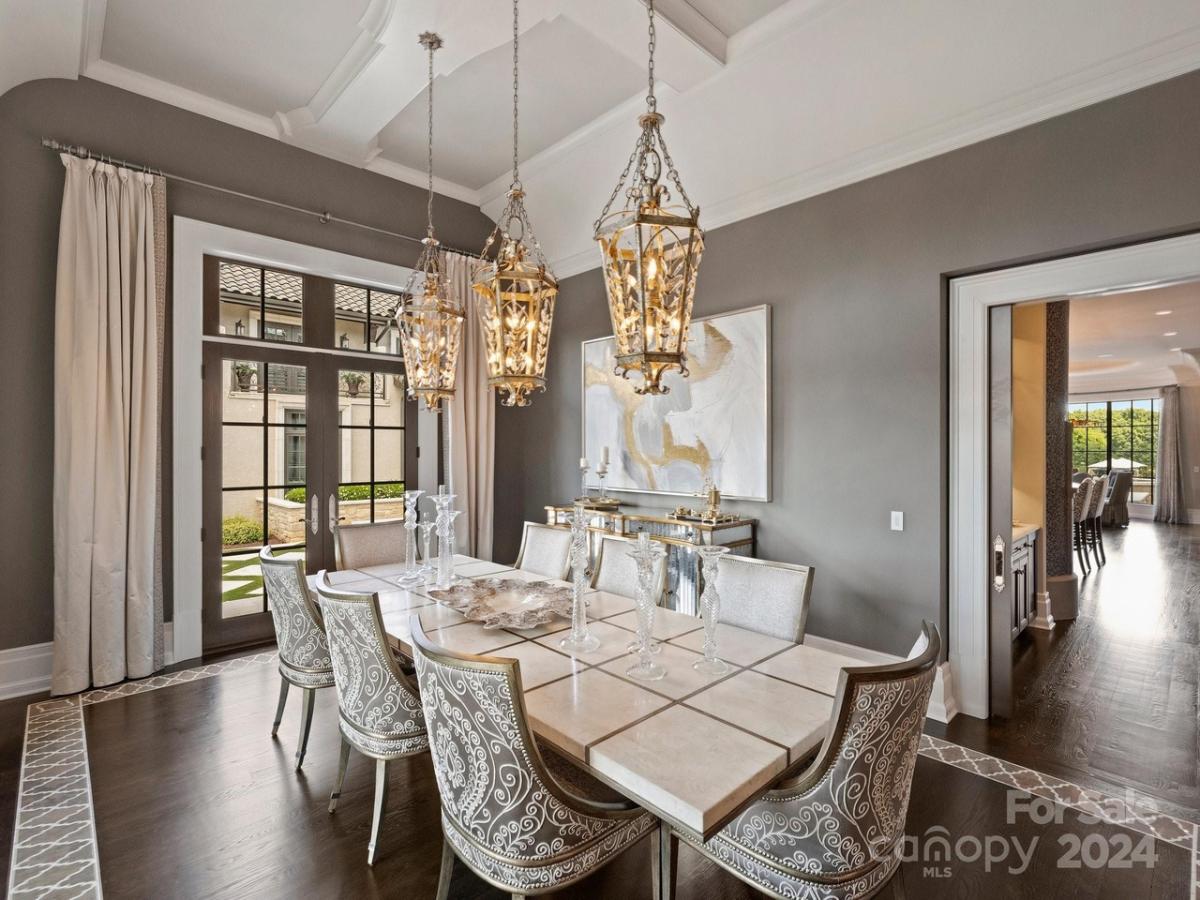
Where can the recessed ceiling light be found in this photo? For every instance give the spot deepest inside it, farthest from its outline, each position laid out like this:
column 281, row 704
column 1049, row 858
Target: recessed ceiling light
column 1163, row 312
column 1176, row 349
column 1105, row 356
column 1170, row 333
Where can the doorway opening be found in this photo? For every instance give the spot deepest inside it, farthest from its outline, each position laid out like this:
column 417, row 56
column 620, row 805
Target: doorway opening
column 1080, row 380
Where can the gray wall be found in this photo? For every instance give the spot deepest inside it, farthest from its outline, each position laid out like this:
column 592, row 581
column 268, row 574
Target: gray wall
column 856, row 282
column 129, row 126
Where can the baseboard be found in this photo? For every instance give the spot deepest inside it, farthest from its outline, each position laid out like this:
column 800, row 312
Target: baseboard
column 942, row 705
column 25, row 670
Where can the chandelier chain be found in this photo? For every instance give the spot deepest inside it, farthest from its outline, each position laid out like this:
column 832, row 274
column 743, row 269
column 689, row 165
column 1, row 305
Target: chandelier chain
column 673, row 173
column 651, row 102
column 516, row 92
column 429, row 202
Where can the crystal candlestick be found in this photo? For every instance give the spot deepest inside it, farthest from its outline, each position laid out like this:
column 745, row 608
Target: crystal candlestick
column 427, row 567
column 445, row 526
column 580, row 640
column 710, row 608
column 411, row 575
column 646, row 556
column 583, row 470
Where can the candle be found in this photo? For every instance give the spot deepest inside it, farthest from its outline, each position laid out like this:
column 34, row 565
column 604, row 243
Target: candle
column 604, row 455
column 583, row 463
column 441, row 489
column 643, row 540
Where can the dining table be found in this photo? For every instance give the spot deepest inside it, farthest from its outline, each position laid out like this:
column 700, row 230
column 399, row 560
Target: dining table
column 692, row 748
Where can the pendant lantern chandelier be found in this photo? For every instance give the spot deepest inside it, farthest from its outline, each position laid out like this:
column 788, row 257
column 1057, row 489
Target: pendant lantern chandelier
column 517, row 289
column 650, row 255
column 429, row 319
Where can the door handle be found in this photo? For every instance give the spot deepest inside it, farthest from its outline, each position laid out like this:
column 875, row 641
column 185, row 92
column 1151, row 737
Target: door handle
column 998, row 575
column 333, row 512
column 314, row 513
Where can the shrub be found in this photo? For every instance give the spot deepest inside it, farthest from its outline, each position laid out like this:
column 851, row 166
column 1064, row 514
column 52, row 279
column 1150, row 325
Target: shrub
column 238, row 530
column 387, row 491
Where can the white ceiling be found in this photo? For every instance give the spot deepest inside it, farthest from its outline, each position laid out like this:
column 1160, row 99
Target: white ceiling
column 767, row 101
column 1125, row 341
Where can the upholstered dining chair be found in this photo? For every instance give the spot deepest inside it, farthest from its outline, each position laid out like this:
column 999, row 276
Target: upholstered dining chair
column 616, row 572
column 545, row 550
column 832, row 830
column 1116, row 507
column 771, row 598
column 379, row 710
column 504, row 813
column 300, row 636
column 365, row 544
column 1081, row 504
column 1092, row 526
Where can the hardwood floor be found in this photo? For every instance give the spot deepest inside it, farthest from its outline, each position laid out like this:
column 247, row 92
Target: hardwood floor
column 1110, row 699
column 193, row 798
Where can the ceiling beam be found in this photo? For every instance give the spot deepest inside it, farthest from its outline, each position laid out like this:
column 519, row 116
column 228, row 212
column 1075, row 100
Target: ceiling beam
column 693, row 26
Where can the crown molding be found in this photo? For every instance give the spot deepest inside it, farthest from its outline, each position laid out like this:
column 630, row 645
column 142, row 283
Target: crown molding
column 392, row 169
column 1157, row 62
column 164, row 91
column 92, row 33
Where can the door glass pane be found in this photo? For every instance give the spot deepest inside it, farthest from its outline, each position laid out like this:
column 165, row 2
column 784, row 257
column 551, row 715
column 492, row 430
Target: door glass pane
column 241, row 538
column 384, row 337
column 242, row 385
column 355, row 386
column 286, row 387
column 241, row 299
column 389, row 455
column 284, row 307
column 242, row 456
column 389, row 501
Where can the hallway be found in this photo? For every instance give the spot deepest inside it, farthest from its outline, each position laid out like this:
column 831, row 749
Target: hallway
column 1110, row 700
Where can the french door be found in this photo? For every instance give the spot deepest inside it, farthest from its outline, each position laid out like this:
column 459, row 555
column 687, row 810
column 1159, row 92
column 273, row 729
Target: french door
column 297, row 438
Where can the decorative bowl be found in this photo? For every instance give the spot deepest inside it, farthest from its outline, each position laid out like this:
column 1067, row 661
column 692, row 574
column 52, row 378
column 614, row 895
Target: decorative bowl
column 507, row 602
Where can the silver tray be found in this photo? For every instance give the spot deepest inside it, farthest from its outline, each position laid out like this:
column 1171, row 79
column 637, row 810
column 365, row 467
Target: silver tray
column 507, row 602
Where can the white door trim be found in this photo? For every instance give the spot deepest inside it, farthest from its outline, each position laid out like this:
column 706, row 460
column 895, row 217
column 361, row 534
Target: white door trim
column 194, row 239
column 1144, row 265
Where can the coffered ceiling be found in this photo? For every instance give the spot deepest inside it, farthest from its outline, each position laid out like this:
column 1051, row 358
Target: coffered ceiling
column 767, row 101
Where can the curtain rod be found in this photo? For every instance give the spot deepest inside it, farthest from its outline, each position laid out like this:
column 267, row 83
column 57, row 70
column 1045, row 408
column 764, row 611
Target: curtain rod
column 322, row 216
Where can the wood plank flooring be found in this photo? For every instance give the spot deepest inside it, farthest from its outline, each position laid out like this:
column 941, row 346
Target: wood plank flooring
column 1110, row 699
column 193, row 798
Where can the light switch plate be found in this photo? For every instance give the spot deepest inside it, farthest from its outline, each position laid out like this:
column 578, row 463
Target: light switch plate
column 897, row 520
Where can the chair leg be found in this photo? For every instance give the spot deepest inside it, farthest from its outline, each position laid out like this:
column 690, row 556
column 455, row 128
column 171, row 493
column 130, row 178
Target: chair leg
column 443, row 888
column 664, row 862
column 310, row 696
column 381, row 791
column 1093, row 541
column 1083, row 566
column 1099, row 526
column 343, row 762
column 283, row 692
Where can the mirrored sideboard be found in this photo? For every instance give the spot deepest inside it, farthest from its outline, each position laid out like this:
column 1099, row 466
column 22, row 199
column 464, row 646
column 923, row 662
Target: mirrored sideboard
column 680, row 538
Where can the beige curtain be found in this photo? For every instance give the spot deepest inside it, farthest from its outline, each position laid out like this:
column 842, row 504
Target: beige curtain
column 107, row 371
column 472, row 422
column 1169, row 466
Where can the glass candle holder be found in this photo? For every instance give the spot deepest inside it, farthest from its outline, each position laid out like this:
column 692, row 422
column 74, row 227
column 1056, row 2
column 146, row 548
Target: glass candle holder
column 445, row 526
column 646, row 557
column 427, row 567
column 580, row 640
column 710, row 608
column 410, row 576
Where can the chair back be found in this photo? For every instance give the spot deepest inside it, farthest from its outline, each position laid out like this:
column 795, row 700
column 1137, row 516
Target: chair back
column 378, row 706
column 545, row 550
column 615, row 570
column 1081, row 500
column 771, row 598
column 852, row 802
column 369, row 544
column 299, row 631
column 1099, row 496
column 499, row 803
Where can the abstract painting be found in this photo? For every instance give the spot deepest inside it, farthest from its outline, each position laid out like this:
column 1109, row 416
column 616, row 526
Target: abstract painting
column 713, row 424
